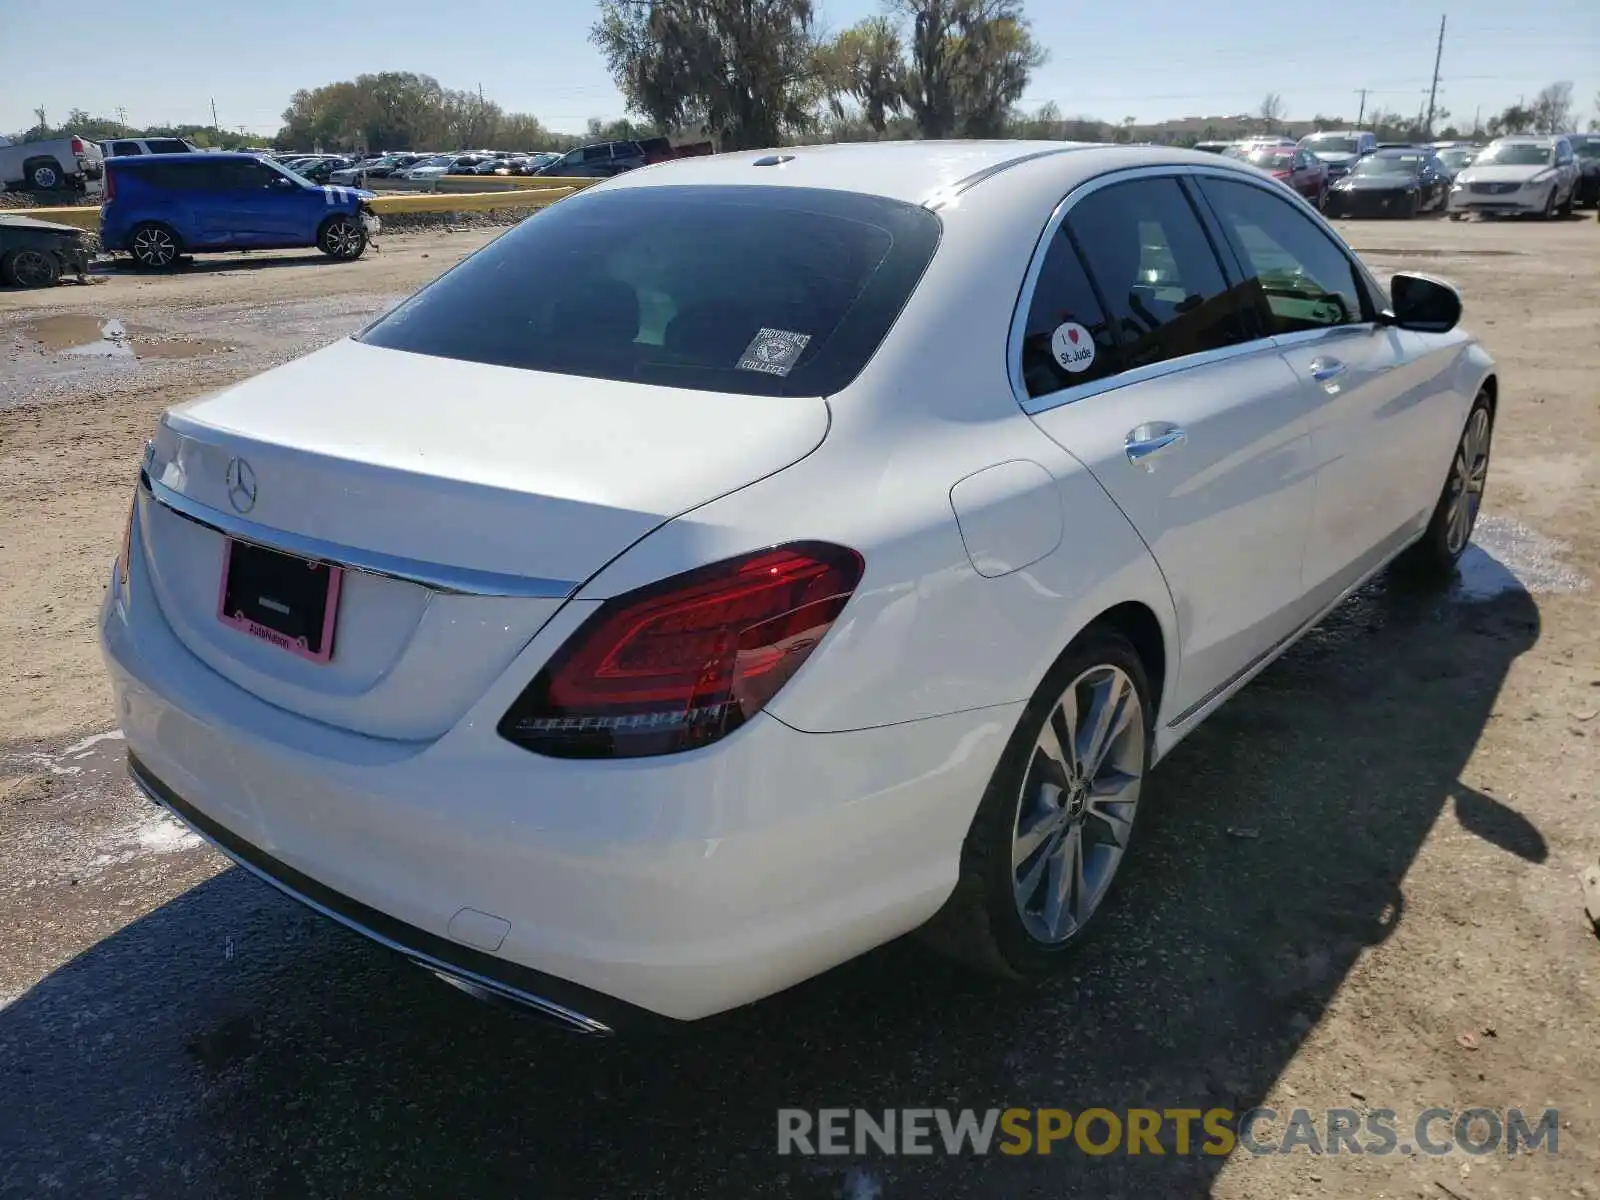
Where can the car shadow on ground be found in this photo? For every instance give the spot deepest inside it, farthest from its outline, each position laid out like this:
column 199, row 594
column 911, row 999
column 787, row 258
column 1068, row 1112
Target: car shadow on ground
column 260, row 260
column 231, row 1043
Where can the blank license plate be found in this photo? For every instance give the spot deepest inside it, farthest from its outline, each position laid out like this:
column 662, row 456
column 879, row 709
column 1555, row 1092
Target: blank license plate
column 288, row 601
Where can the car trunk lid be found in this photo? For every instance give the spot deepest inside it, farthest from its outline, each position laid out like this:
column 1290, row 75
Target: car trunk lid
column 469, row 499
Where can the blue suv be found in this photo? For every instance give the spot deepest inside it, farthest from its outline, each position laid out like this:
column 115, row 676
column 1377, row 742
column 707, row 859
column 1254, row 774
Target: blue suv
column 159, row 206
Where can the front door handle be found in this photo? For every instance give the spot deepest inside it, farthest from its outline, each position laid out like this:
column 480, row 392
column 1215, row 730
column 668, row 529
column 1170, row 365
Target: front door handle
column 1147, row 443
column 1325, row 369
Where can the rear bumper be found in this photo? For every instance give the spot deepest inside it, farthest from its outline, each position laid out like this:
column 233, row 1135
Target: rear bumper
column 672, row 888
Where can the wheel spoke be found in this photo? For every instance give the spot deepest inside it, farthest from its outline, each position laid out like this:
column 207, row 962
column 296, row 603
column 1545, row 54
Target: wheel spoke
column 1064, row 884
column 1029, row 883
column 1033, row 832
column 1053, row 747
column 1108, row 716
column 1111, row 806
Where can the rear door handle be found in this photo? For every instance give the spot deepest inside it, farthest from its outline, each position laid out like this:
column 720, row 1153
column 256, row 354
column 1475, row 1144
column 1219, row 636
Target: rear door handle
column 1325, row 369
column 1147, row 443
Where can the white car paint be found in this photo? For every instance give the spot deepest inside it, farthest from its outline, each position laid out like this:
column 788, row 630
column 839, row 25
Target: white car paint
column 993, row 532
column 1517, row 187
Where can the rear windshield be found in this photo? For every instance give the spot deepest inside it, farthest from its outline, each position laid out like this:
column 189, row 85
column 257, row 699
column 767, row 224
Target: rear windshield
column 1271, row 157
column 755, row 290
column 1331, row 145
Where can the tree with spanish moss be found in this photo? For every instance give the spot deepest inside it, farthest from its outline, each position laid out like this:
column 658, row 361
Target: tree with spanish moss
column 747, row 72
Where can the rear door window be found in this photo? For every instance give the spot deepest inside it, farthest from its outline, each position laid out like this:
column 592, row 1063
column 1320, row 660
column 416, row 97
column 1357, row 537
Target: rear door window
column 124, row 148
column 168, row 146
column 749, row 289
column 1162, row 283
column 1304, row 280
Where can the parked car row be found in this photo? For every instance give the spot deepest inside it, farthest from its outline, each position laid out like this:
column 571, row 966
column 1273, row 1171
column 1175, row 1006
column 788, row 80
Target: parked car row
column 1349, row 172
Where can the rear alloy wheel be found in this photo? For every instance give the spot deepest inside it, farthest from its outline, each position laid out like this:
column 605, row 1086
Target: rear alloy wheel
column 30, row 269
column 342, row 238
column 1456, row 514
column 153, row 247
column 1055, row 823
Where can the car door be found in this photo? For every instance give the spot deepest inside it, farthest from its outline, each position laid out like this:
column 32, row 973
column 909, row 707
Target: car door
column 1374, row 403
column 1141, row 358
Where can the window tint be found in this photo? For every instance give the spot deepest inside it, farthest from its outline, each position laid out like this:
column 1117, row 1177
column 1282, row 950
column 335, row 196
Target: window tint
column 1063, row 301
column 597, row 153
column 750, row 289
column 168, row 146
column 173, row 176
column 126, row 148
column 1305, row 280
column 1156, row 270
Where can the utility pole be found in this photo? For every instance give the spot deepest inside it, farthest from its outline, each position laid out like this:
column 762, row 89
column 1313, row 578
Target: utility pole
column 122, row 118
column 215, row 127
column 1363, row 94
column 1433, row 90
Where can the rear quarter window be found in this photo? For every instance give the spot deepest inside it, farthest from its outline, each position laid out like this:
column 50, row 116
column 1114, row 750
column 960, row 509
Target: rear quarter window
column 754, row 290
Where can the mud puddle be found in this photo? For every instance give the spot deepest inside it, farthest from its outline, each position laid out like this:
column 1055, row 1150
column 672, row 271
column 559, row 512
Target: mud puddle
column 83, row 335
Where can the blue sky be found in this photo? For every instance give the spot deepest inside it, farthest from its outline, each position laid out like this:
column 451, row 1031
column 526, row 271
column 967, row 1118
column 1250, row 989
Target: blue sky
column 167, row 59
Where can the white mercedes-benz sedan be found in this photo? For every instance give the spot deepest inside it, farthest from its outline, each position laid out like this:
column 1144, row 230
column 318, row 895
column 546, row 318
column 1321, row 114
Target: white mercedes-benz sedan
column 755, row 558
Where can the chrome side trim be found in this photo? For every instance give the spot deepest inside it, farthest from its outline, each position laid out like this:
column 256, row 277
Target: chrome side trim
column 965, row 184
column 474, row 984
column 1019, row 317
column 1214, row 699
column 437, row 577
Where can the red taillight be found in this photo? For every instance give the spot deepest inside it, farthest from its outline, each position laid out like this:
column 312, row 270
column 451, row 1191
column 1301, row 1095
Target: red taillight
column 685, row 661
column 77, row 147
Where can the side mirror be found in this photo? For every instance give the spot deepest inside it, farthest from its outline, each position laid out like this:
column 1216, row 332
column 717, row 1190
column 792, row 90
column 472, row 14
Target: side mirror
column 1423, row 304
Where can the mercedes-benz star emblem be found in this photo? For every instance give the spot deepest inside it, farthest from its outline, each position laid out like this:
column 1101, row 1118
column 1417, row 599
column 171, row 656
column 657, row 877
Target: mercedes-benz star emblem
column 241, row 485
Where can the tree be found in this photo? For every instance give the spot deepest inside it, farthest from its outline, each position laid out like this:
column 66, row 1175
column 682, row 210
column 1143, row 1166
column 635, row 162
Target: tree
column 864, row 64
column 1552, row 108
column 970, row 61
column 1515, row 119
column 746, row 71
column 1271, row 111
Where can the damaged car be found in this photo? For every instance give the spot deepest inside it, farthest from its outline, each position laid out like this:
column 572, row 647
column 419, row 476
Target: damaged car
column 35, row 253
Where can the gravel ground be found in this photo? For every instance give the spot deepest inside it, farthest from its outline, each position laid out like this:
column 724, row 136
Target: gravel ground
column 1357, row 885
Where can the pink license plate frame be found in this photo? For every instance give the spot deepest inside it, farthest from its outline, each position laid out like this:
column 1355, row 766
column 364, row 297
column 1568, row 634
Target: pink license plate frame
column 299, row 647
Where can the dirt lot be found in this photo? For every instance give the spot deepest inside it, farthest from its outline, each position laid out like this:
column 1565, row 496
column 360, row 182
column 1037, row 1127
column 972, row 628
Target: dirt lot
column 1400, row 927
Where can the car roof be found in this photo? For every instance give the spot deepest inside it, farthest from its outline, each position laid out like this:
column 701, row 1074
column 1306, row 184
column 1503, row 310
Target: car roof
column 910, row 171
column 1529, row 139
column 195, row 156
column 929, row 173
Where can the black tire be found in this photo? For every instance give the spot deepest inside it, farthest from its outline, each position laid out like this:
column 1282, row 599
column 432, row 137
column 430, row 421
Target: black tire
column 154, row 246
column 343, row 238
column 1412, row 208
column 30, row 268
column 1434, row 556
column 1565, row 209
column 1549, row 213
column 982, row 924
column 1458, row 216
column 45, row 176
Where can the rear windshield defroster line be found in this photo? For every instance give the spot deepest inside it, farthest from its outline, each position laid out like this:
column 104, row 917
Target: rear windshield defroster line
column 765, row 291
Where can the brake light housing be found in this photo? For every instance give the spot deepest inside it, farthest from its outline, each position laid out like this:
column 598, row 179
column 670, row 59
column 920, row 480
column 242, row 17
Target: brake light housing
column 77, row 147
column 684, row 662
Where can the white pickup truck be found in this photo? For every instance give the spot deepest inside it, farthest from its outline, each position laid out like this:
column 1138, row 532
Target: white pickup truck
column 69, row 162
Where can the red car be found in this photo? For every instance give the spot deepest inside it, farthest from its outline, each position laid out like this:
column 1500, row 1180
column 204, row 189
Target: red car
column 1296, row 168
